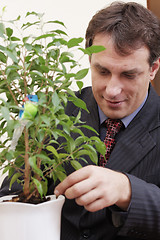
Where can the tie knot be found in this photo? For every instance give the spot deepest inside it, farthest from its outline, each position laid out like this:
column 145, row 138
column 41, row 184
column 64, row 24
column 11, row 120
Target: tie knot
column 113, row 126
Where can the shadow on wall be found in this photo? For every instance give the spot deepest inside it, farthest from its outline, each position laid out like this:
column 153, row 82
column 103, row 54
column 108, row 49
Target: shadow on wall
column 154, row 6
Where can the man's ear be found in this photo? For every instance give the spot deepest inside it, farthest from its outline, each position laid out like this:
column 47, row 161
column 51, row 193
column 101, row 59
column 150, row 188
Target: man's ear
column 154, row 69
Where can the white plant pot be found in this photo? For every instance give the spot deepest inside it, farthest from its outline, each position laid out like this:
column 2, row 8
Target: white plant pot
column 23, row 221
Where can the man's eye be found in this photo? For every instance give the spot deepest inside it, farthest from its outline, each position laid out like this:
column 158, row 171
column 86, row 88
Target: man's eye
column 130, row 76
column 104, row 72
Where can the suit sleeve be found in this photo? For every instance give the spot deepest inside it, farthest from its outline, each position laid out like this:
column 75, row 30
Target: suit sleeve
column 5, row 190
column 143, row 217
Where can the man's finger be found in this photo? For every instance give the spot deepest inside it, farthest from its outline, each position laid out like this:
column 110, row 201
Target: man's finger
column 71, row 180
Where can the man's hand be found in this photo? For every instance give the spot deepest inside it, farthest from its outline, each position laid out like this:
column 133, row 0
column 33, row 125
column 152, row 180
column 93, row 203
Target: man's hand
column 95, row 188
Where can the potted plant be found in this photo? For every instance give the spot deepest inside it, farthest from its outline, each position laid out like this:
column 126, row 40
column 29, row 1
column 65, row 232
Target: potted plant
column 36, row 73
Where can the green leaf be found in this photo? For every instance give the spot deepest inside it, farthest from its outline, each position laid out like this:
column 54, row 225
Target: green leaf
column 71, row 145
column 93, row 49
column 79, row 84
column 56, row 133
column 80, row 140
column 17, row 19
column 78, row 102
column 77, row 118
column 31, row 13
column 45, row 36
column 44, row 187
column 5, row 169
column 25, row 39
column 28, row 24
column 46, row 120
column 12, row 46
column 5, row 113
column 74, row 42
column 82, row 152
column 12, row 74
column 10, row 126
column 90, row 128
column 28, row 47
column 67, row 54
column 100, row 146
column 63, row 155
column 91, row 152
column 9, row 32
column 77, row 130
column 60, row 32
column 81, row 74
column 64, row 59
column 39, row 186
column 11, row 171
column 60, row 175
column 55, row 99
column 66, row 128
column 44, row 68
column 2, row 30
column 41, row 135
column 4, row 9
column 13, row 179
column 44, row 158
column 35, row 73
column 11, row 55
column 53, row 150
column 3, row 57
column 58, row 22
column 33, row 164
column 15, row 39
column 76, row 165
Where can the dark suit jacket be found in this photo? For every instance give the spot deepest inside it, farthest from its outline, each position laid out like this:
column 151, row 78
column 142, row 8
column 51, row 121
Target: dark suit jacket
column 137, row 154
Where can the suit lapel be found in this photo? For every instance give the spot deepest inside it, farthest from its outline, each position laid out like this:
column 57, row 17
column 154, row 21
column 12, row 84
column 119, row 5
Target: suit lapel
column 131, row 148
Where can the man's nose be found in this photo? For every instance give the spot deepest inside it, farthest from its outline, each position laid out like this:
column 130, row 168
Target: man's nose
column 113, row 87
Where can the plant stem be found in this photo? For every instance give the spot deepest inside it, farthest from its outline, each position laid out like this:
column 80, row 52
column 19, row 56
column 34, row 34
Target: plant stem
column 12, row 94
column 27, row 165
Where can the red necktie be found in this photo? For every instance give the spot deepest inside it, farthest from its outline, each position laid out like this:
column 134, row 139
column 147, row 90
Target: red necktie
column 113, row 127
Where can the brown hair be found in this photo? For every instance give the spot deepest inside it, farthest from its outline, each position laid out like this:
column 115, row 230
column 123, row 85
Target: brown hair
column 130, row 25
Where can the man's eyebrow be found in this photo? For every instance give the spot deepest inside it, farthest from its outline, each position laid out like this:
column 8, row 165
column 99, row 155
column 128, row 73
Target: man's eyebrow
column 132, row 71
column 129, row 71
column 97, row 65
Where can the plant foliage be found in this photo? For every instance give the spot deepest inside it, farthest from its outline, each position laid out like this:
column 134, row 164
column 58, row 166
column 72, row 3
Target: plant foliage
column 43, row 64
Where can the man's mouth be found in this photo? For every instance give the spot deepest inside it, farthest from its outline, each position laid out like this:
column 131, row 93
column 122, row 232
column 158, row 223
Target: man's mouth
column 114, row 104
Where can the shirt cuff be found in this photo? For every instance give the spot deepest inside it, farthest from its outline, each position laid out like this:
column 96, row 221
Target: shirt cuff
column 118, row 215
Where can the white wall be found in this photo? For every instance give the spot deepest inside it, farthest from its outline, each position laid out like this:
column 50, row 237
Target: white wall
column 75, row 13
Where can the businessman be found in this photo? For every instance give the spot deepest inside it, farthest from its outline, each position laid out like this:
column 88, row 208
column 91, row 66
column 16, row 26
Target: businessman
column 120, row 198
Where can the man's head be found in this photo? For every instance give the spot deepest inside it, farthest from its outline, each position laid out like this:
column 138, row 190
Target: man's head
column 121, row 74
column 130, row 25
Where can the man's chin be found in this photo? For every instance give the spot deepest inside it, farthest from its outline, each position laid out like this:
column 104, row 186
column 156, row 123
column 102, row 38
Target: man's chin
column 115, row 114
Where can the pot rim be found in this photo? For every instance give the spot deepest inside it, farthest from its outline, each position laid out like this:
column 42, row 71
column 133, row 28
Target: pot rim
column 53, row 198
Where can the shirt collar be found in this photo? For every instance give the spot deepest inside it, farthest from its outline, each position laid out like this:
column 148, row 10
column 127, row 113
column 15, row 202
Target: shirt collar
column 126, row 120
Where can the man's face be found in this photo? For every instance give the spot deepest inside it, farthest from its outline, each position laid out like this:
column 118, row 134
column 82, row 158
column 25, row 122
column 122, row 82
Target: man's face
column 120, row 83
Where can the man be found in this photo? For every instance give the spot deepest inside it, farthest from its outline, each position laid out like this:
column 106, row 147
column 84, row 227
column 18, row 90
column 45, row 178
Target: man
column 122, row 199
